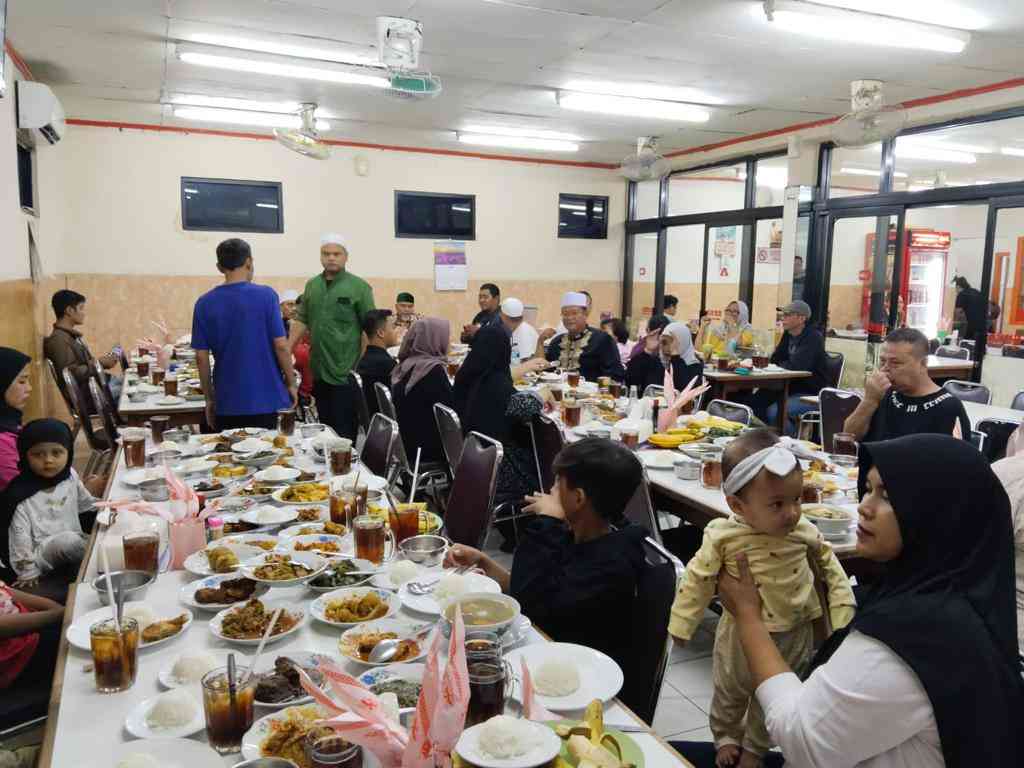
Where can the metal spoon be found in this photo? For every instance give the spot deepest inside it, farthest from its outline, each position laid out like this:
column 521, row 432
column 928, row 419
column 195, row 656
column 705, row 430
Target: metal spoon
column 420, row 588
column 386, row 650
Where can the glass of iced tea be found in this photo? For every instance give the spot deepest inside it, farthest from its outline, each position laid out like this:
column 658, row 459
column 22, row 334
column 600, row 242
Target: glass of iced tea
column 171, row 385
column 556, row 392
column 142, row 366
column 114, row 654
column 286, row 422
column 571, row 413
column 615, row 389
column 141, row 552
column 487, row 689
column 345, row 506
column 157, row 425
column 573, row 378
column 405, row 521
column 339, row 453
column 711, row 469
column 723, row 363
column 370, row 535
column 133, row 440
column 844, row 449
column 156, row 376
column 453, row 368
column 228, row 716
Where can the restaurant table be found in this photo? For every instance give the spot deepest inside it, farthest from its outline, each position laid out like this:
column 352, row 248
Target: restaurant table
column 723, row 384
column 944, row 368
column 84, row 726
column 137, row 414
column 978, row 411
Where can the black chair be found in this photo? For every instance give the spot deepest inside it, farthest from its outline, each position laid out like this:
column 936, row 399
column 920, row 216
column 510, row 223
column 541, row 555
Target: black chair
column 834, row 365
column 978, row 440
column 738, row 412
column 968, row 391
column 997, row 434
column 644, row 671
column 380, row 440
column 836, row 406
column 450, row 429
column 548, row 441
column 98, row 440
column 362, row 409
column 385, row 402
column 1018, row 401
column 1011, row 350
column 433, row 475
column 640, row 511
column 961, row 353
column 76, row 422
column 933, row 346
column 103, row 380
column 470, row 509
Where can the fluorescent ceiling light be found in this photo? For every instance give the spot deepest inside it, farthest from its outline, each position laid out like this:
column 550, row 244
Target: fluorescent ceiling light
column 537, row 133
column 631, row 107
column 572, row 207
column 461, row 208
column 283, row 68
column 933, row 153
column 804, row 18
column 941, row 144
column 940, row 12
column 225, row 102
column 287, row 49
column 241, row 117
column 192, row 191
column 517, row 142
column 266, row 205
column 643, row 91
column 1012, row 151
column 869, row 172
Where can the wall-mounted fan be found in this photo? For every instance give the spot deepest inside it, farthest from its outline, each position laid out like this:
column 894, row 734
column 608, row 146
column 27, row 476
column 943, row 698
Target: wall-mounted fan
column 304, row 140
column 870, row 120
column 646, row 164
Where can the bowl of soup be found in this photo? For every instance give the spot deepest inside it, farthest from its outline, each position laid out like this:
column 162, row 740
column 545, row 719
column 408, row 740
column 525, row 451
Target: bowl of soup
column 481, row 612
column 831, row 520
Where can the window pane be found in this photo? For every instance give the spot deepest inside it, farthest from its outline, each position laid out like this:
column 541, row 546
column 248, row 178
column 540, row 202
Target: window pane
column 856, row 171
column 647, row 196
column 1003, row 371
column 771, row 177
column 803, row 229
column 645, row 254
column 767, row 287
column 714, row 189
column 725, row 249
column 981, row 153
column 684, row 262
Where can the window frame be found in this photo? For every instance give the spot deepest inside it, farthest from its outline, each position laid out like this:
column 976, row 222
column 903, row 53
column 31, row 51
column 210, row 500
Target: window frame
column 275, row 185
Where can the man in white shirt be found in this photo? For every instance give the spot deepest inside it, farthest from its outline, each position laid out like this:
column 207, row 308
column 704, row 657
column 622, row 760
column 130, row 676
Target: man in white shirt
column 524, row 335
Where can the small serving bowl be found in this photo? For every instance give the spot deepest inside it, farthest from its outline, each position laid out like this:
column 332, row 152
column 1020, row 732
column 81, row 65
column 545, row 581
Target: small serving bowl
column 155, row 490
column 178, row 435
column 426, row 549
column 311, row 430
column 498, row 627
column 133, row 584
column 831, row 526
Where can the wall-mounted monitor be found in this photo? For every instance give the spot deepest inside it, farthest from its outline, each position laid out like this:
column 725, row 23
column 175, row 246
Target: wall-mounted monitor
column 224, row 205
column 584, row 216
column 435, row 215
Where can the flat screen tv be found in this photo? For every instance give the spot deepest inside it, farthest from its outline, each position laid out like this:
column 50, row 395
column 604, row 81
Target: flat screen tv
column 583, row 216
column 435, row 215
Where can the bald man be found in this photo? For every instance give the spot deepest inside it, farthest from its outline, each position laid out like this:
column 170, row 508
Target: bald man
column 333, row 307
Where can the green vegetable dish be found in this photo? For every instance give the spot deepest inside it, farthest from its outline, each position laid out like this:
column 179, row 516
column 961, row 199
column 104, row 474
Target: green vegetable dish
column 337, row 575
column 408, row 692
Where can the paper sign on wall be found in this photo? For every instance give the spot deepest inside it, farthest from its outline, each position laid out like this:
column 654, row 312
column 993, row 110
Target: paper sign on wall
column 450, row 270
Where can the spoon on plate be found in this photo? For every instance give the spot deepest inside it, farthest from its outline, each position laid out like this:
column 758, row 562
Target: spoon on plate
column 386, row 650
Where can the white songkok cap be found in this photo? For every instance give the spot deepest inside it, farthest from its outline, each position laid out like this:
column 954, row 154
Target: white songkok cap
column 333, row 238
column 289, row 295
column 512, row 307
column 776, row 459
column 574, row 299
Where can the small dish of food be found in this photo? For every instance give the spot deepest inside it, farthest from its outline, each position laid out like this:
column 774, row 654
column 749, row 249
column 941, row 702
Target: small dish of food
column 245, row 624
column 830, row 520
column 284, row 569
column 266, row 515
column 219, row 558
column 403, row 680
column 352, row 606
column 339, row 573
column 157, row 625
column 308, row 529
column 481, row 611
column 324, row 543
column 358, row 642
column 279, row 685
column 302, row 494
column 312, row 514
column 215, row 593
column 265, row 541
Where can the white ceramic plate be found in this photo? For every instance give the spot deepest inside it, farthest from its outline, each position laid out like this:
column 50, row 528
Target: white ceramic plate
column 270, row 605
column 267, row 515
column 268, row 540
column 136, row 724
column 195, row 466
column 170, row 400
column 547, row 747
column 78, row 632
column 372, row 482
column 475, row 582
column 251, row 431
column 600, row 677
column 276, row 474
column 294, row 530
column 166, row 673
column 349, row 638
column 251, row 445
column 133, row 477
column 187, row 594
column 657, row 459
column 305, row 659
column 278, row 496
column 345, row 544
column 410, row 672
column 362, row 565
column 198, row 564
column 318, row 607
column 310, row 560
column 168, row 753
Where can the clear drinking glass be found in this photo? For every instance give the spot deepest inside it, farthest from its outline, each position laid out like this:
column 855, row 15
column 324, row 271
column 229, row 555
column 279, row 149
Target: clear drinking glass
column 228, row 716
column 114, row 654
column 844, row 449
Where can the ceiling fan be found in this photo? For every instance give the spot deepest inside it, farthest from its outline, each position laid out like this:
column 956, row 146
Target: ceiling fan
column 646, row 163
column 870, row 120
column 305, row 140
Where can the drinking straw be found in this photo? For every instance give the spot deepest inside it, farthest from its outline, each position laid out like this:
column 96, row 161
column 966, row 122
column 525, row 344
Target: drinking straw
column 110, row 587
column 263, row 641
column 232, row 680
column 415, row 476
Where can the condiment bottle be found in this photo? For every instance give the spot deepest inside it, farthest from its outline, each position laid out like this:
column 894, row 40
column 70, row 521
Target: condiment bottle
column 214, row 528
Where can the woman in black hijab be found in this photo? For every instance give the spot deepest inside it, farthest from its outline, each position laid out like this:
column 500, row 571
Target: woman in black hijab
column 14, row 391
column 927, row 672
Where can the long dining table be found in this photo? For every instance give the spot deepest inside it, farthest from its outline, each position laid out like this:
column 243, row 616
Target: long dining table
column 84, row 727
column 725, row 383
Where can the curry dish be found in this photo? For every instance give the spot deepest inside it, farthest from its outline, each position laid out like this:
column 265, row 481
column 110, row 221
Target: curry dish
column 357, row 608
column 280, row 568
column 251, row 620
column 305, row 493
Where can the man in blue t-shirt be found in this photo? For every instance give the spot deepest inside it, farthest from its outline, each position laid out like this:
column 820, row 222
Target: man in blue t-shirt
column 240, row 324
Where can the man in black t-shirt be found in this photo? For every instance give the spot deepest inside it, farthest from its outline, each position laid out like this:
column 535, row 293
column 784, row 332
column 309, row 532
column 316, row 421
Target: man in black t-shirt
column 376, row 364
column 901, row 399
column 489, row 300
column 974, row 306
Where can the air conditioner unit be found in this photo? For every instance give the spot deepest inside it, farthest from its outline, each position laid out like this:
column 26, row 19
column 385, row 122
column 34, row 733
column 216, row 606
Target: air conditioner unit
column 39, row 109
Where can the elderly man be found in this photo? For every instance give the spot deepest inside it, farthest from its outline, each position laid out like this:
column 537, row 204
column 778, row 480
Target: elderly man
column 900, row 397
column 489, row 300
column 582, row 348
column 333, row 307
column 405, row 314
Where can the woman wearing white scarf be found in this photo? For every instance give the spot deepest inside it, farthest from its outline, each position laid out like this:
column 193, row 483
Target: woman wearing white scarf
column 734, row 327
column 676, row 351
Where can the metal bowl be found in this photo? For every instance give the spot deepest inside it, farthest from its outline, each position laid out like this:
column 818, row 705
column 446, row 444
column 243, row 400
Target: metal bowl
column 155, row 490
column 137, row 397
column 178, row 435
column 311, row 430
column 259, row 462
column 133, row 584
column 427, row 550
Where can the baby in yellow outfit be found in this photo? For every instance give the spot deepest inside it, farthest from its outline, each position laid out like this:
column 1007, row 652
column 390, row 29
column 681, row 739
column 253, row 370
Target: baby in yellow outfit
column 763, row 483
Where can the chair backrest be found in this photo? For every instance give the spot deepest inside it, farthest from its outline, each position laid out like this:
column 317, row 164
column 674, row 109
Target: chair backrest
column 103, row 409
column 960, row 353
column 362, row 409
column 978, row 440
column 1018, row 401
column 969, row 391
column 471, row 501
column 380, row 441
column 997, row 434
column 76, row 397
column 741, row 414
column 834, row 364
column 450, row 429
column 548, row 440
column 835, row 405
column 640, row 511
column 62, row 388
column 933, row 346
column 385, row 402
column 644, row 671
column 105, row 394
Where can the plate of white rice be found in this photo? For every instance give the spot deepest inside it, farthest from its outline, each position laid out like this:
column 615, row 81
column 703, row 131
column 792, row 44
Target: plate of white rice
column 508, row 742
column 170, row 715
column 161, row 753
column 188, row 668
column 566, row 676
column 449, row 585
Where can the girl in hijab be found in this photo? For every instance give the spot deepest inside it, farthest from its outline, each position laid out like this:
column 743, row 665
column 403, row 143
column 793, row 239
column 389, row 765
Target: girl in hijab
column 675, row 350
column 734, row 331
column 42, row 507
column 417, row 382
column 15, row 387
column 926, row 674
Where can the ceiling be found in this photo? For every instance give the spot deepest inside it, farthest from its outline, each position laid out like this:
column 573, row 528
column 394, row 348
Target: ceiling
column 500, row 61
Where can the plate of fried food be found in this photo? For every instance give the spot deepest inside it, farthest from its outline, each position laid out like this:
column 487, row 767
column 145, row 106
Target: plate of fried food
column 232, row 472
column 219, row 558
column 283, row 734
column 279, row 686
column 156, row 625
column 312, row 514
column 323, row 543
column 215, row 593
column 354, row 605
column 245, row 624
column 302, row 494
column 308, row 529
column 358, row 642
column 284, row 569
column 257, row 491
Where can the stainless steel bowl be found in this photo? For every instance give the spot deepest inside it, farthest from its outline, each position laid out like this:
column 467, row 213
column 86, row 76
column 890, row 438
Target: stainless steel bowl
column 177, row 435
column 259, row 462
column 134, row 585
column 155, row 490
column 311, row 430
column 427, row 550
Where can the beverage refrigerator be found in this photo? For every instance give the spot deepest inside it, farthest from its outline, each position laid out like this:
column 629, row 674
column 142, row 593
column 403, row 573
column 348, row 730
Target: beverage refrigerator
column 923, row 281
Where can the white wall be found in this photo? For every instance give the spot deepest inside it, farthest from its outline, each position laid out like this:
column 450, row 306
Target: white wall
column 14, row 263
column 122, row 208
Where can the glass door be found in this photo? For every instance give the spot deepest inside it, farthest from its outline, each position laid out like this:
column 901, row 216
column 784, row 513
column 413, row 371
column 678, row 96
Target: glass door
column 1002, row 349
column 684, row 269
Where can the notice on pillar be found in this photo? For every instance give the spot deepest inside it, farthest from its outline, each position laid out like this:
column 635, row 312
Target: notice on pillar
column 450, row 270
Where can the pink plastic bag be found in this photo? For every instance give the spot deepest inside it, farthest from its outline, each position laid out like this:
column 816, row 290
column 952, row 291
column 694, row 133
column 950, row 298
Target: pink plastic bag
column 186, row 536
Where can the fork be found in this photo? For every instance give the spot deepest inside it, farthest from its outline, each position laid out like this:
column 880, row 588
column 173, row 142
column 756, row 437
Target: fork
column 420, row 588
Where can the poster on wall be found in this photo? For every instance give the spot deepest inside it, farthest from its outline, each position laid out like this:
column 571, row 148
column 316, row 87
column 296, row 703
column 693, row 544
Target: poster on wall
column 725, row 249
column 768, row 255
column 450, row 270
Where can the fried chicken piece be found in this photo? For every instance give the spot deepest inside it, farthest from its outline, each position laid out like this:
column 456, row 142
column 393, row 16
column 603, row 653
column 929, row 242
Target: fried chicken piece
column 160, row 630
